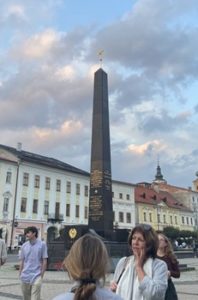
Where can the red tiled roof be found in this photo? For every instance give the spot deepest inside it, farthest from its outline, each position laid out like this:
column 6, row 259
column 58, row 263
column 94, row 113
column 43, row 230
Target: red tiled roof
column 148, row 195
column 167, row 187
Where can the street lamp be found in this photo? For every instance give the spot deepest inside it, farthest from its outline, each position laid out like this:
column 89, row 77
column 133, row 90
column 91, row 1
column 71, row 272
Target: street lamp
column 14, row 222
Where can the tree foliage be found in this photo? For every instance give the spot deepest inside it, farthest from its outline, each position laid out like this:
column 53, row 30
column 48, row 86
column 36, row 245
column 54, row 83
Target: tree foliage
column 171, row 232
column 175, row 234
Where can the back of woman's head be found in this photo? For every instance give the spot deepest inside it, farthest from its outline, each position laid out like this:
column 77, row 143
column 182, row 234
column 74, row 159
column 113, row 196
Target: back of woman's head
column 150, row 237
column 87, row 263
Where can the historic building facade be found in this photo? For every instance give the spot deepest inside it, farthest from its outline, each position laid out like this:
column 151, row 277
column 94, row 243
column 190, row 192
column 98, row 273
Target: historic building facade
column 44, row 192
column 184, row 198
column 160, row 209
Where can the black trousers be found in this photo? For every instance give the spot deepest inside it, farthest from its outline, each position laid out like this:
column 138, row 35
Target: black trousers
column 171, row 293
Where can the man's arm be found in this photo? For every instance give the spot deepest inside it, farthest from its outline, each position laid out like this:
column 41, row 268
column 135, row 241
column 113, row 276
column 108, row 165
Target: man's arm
column 21, row 264
column 43, row 266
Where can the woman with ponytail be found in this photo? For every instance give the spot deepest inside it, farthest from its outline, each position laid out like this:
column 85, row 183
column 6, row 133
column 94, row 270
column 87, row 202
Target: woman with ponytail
column 87, row 264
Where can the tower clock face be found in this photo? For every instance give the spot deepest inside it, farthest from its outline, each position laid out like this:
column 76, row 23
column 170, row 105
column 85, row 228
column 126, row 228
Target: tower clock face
column 72, row 233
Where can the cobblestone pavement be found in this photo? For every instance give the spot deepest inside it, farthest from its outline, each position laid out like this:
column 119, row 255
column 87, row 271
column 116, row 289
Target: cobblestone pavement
column 56, row 282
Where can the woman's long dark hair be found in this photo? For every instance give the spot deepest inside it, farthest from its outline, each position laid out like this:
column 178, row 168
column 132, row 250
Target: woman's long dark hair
column 151, row 239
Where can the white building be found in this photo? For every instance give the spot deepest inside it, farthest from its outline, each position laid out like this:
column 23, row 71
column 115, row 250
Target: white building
column 41, row 191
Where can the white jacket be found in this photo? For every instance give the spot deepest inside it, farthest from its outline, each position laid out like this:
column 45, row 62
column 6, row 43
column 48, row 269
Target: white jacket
column 3, row 252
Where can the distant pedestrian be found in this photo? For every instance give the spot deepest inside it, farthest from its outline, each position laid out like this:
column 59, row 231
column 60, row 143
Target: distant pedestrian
column 33, row 263
column 165, row 252
column 87, row 264
column 3, row 252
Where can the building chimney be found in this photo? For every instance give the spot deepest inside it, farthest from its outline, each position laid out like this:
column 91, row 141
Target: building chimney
column 19, row 146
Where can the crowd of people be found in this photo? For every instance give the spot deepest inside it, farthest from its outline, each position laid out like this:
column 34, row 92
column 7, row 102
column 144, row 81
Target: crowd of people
column 144, row 275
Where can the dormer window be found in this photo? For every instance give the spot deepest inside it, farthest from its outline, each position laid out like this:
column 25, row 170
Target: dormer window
column 8, row 177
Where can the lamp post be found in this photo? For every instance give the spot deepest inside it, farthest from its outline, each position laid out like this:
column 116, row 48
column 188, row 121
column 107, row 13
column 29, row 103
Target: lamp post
column 195, row 210
column 14, row 222
column 158, row 216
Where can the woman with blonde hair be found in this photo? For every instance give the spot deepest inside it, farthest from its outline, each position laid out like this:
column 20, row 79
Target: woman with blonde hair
column 165, row 252
column 87, row 264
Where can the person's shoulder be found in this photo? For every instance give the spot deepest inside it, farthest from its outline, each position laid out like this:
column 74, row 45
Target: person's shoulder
column 104, row 293
column 65, row 296
column 42, row 242
column 124, row 259
column 25, row 244
column 159, row 263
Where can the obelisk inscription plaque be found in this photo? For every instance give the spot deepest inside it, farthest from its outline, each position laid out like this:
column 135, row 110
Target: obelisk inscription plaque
column 100, row 201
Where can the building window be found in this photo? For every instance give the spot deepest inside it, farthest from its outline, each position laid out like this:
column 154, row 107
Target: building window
column 191, row 221
column 144, row 216
column 128, row 217
column 25, row 179
column 57, row 209
column 120, row 195
column 113, row 215
column 86, row 190
column 77, row 211
column 47, row 183
column 150, row 217
column 127, row 196
column 68, row 187
column 35, row 206
column 158, row 218
column 86, row 212
column 8, row 177
column 77, row 189
column 183, row 220
column 67, row 210
column 121, row 217
column 23, row 204
column 5, row 204
column 46, row 207
column 175, row 219
column 164, row 217
column 112, row 194
column 37, row 181
column 171, row 219
column 58, row 185
column 187, row 221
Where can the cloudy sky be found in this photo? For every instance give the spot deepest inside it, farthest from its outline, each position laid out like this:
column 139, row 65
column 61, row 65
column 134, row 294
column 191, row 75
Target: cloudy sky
column 48, row 55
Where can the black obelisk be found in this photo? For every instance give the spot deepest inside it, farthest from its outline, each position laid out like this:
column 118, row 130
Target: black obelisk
column 100, row 199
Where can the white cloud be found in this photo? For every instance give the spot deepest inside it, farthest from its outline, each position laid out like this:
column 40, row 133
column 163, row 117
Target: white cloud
column 150, row 56
column 16, row 10
column 65, row 73
column 40, row 44
column 147, row 147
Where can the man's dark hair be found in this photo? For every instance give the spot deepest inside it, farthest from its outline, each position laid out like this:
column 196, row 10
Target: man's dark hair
column 32, row 229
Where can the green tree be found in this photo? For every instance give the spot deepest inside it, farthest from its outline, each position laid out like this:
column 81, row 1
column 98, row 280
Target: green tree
column 171, row 232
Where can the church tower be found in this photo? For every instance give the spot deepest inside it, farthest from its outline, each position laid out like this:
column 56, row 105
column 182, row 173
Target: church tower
column 159, row 177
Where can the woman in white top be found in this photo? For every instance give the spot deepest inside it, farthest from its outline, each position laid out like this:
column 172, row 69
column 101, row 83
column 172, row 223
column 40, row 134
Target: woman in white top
column 87, row 264
column 141, row 276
